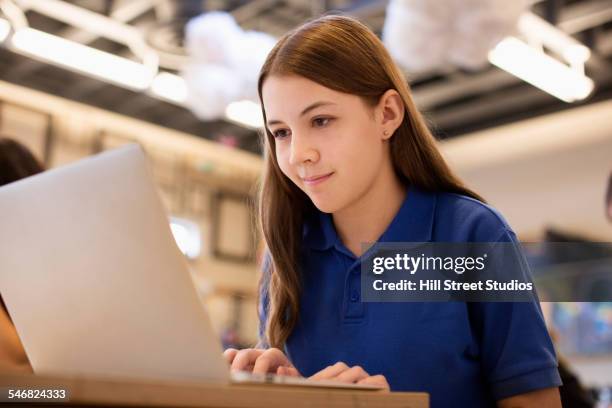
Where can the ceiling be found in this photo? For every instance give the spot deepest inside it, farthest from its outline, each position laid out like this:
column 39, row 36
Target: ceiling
column 454, row 101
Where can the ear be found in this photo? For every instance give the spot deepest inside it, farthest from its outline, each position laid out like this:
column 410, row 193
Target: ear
column 391, row 112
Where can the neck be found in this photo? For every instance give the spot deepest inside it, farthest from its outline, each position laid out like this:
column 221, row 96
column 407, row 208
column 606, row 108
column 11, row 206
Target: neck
column 365, row 220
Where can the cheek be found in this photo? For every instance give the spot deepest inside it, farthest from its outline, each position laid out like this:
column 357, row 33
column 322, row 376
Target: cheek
column 282, row 158
column 360, row 152
column 361, row 164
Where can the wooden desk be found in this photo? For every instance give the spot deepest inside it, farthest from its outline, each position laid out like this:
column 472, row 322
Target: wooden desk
column 112, row 392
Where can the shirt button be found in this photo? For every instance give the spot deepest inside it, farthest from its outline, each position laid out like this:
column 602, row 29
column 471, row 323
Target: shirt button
column 354, row 295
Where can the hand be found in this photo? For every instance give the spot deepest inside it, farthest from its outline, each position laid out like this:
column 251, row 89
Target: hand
column 352, row 375
column 260, row 361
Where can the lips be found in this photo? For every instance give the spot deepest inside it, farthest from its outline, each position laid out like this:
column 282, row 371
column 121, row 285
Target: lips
column 313, row 180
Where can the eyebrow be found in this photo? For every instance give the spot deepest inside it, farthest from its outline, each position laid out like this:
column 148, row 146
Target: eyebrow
column 305, row 111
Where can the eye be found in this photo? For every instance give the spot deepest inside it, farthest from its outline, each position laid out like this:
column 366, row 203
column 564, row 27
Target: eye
column 280, row 133
column 321, row 121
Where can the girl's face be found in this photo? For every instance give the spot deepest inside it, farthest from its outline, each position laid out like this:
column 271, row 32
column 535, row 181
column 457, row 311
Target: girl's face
column 330, row 144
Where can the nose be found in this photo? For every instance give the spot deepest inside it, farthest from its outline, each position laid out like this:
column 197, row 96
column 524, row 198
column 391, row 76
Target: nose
column 302, row 150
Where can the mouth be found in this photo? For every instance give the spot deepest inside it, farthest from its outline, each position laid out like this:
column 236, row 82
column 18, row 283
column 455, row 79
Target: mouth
column 314, row 180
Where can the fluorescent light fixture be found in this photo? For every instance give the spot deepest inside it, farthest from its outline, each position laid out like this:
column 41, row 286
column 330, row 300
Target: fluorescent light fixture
column 5, row 29
column 187, row 236
column 538, row 29
column 541, row 70
column 170, row 87
column 82, row 58
column 246, row 113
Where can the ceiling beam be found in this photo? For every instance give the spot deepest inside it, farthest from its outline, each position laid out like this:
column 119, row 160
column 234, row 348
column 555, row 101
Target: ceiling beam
column 252, row 9
column 585, row 15
column 123, row 13
column 574, row 18
column 518, row 100
column 86, row 19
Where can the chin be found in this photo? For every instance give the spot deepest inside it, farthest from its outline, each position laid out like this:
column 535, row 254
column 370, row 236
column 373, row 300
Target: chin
column 326, row 206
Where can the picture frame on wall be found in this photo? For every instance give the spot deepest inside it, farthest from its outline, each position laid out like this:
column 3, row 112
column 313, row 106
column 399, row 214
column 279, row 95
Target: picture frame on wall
column 232, row 234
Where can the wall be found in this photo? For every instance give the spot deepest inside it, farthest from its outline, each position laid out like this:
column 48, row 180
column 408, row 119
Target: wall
column 547, row 171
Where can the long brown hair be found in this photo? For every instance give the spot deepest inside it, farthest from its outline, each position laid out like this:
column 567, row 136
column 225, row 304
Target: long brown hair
column 342, row 54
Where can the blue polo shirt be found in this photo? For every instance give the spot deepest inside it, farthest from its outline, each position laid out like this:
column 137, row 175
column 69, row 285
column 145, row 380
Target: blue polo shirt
column 462, row 354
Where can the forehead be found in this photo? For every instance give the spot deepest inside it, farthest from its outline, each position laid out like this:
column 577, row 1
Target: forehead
column 286, row 96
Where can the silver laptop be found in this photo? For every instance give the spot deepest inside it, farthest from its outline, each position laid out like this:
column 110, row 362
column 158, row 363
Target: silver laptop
column 95, row 283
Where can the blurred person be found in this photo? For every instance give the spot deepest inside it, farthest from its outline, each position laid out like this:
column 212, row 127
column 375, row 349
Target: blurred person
column 16, row 162
column 349, row 159
column 573, row 393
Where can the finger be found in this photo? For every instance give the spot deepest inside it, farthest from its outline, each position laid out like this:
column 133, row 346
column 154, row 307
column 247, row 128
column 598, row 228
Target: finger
column 330, row 371
column 376, row 380
column 270, row 360
column 352, row 375
column 229, row 355
column 288, row 371
column 292, row 372
column 245, row 359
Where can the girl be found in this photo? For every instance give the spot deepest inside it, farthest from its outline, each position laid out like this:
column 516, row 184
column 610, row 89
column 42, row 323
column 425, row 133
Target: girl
column 349, row 160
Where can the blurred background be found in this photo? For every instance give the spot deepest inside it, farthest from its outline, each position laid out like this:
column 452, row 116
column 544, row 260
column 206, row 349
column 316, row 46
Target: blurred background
column 517, row 93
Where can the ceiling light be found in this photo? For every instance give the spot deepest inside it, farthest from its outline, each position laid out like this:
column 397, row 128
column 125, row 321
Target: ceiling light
column 170, row 87
column 82, row 58
column 539, row 30
column 246, row 113
column 541, row 70
column 5, row 29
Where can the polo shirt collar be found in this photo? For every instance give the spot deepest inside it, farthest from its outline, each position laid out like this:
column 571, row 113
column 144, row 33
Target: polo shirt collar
column 412, row 223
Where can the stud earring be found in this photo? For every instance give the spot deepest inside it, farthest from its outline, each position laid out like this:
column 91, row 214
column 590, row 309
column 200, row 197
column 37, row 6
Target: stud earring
column 386, row 133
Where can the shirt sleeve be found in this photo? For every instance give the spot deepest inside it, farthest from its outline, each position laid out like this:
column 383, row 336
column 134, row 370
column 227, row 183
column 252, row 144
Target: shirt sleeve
column 517, row 354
